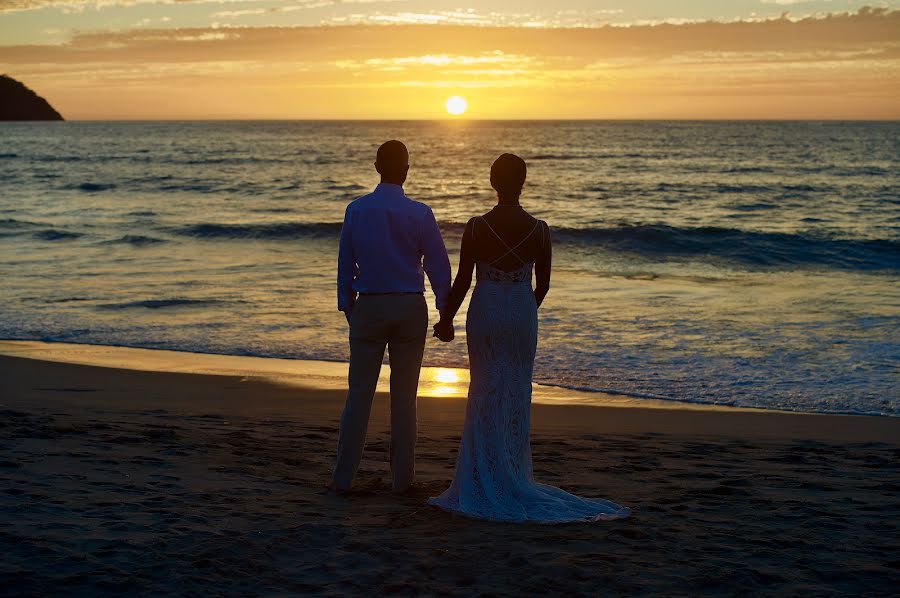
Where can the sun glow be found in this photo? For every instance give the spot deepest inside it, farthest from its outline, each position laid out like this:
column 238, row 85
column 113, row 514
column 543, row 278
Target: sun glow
column 456, row 105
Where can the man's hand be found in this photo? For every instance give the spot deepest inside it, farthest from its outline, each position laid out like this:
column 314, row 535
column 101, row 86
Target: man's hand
column 347, row 314
column 444, row 330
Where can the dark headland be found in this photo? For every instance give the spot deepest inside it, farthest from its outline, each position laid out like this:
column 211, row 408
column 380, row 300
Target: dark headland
column 17, row 102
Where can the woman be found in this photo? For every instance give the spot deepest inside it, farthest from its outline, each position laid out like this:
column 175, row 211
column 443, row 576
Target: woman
column 494, row 478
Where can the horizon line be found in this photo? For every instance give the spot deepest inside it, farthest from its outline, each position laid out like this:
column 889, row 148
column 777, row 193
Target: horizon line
column 455, row 120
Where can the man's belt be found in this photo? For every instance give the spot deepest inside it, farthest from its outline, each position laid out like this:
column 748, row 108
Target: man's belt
column 396, row 293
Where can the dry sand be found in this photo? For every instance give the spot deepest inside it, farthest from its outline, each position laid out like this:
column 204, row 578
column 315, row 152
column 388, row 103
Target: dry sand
column 123, row 482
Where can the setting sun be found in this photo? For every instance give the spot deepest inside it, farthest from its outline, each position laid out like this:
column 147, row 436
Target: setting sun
column 456, row 105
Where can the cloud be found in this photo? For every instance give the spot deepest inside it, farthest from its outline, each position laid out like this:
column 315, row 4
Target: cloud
column 868, row 29
column 78, row 5
column 841, row 64
column 442, row 60
column 232, row 14
column 16, row 5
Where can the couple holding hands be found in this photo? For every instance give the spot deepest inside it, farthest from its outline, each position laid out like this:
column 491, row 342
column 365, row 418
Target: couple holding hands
column 388, row 243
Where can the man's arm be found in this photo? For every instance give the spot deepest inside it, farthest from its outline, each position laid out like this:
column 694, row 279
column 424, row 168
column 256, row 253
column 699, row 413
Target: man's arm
column 435, row 261
column 347, row 269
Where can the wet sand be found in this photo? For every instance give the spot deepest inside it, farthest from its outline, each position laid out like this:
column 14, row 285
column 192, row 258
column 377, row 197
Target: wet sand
column 125, row 482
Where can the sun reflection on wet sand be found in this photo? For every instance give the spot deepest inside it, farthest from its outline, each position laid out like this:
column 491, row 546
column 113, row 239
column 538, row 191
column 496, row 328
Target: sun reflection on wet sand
column 446, row 375
column 443, row 382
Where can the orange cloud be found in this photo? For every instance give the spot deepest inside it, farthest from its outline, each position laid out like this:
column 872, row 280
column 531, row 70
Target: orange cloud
column 839, row 66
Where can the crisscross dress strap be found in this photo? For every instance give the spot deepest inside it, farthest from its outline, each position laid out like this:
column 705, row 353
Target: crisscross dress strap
column 510, row 250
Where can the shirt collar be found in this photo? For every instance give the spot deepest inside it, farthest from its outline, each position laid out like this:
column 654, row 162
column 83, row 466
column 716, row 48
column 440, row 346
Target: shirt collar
column 389, row 188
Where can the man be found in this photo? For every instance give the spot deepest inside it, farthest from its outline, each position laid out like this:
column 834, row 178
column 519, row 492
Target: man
column 386, row 242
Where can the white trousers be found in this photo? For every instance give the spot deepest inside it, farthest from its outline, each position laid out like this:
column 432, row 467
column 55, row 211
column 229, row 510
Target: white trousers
column 398, row 322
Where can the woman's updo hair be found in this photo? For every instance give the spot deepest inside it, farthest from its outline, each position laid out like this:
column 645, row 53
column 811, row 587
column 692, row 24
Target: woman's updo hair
column 508, row 175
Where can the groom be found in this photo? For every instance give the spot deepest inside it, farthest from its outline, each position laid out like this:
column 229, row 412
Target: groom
column 386, row 242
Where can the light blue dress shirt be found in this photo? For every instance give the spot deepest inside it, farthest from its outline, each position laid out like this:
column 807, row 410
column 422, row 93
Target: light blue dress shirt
column 388, row 243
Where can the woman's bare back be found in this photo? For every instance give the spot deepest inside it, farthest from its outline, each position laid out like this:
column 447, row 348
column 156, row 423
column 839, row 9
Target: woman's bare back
column 507, row 237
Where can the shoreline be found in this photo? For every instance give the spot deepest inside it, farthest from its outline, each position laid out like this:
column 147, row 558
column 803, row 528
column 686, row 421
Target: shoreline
column 445, row 382
column 325, row 383
column 311, row 373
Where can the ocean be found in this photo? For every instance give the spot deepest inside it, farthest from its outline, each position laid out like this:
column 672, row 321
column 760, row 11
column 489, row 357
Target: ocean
column 752, row 264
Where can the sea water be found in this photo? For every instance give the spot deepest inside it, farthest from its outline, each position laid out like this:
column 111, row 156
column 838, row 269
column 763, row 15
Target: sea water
column 737, row 263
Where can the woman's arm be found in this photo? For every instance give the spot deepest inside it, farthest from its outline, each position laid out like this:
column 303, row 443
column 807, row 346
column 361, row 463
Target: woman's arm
column 543, row 265
column 461, row 283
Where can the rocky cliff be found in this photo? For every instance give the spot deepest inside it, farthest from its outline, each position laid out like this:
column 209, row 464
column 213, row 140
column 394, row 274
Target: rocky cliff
column 17, row 102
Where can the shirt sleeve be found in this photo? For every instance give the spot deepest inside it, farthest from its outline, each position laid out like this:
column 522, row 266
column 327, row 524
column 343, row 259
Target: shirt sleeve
column 435, row 261
column 347, row 269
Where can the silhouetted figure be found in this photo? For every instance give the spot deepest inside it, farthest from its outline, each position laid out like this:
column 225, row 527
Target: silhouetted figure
column 17, row 102
column 494, row 478
column 386, row 242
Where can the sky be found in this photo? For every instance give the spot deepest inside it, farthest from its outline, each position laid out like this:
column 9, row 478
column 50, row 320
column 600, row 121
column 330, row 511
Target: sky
column 398, row 59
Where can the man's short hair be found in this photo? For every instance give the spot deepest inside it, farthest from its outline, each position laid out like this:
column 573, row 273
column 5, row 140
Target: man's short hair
column 392, row 155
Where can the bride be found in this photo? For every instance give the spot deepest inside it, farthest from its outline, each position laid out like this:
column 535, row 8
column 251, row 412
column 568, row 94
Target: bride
column 494, row 478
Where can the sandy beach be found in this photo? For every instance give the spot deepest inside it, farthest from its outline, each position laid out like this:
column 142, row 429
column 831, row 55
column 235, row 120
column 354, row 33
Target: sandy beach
column 115, row 481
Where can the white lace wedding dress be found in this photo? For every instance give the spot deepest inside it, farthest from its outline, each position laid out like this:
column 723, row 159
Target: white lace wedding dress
column 494, row 478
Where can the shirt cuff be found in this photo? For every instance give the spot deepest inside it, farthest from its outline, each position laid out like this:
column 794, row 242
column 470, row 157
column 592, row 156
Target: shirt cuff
column 346, row 302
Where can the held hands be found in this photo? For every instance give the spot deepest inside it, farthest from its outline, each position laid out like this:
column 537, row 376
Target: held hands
column 444, row 330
